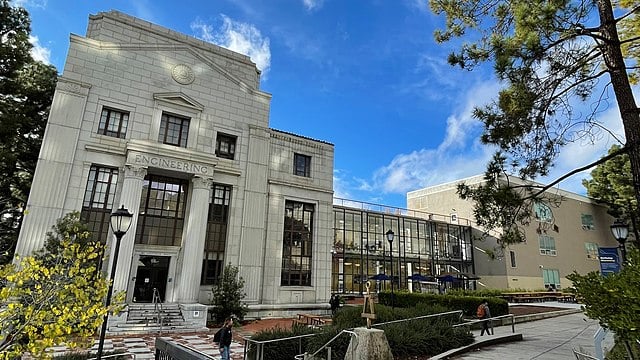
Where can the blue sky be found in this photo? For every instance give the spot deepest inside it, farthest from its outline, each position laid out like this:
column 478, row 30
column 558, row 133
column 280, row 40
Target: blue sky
column 366, row 76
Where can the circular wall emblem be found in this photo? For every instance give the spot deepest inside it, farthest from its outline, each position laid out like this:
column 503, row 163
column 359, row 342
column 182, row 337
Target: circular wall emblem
column 182, row 74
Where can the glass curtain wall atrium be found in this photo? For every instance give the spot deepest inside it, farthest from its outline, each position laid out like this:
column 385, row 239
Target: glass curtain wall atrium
column 439, row 251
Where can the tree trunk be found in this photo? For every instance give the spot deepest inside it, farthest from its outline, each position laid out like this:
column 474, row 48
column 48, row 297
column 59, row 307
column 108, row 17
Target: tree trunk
column 614, row 61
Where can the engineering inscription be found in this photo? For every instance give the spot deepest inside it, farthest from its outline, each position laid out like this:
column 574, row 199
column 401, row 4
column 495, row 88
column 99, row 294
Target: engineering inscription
column 171, row 164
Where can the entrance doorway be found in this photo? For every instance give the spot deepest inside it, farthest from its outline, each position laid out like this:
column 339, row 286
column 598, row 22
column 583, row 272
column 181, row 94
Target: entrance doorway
column 152, row 273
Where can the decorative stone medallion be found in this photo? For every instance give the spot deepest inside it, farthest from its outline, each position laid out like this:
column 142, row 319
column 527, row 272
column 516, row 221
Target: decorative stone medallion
column 182, row 74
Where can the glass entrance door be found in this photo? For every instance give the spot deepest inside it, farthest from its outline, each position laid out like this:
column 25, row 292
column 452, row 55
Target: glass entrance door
column 152, row 273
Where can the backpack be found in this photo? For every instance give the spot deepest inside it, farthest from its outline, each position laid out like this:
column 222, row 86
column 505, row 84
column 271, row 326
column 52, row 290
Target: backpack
column 218, row 336
column 480, row 312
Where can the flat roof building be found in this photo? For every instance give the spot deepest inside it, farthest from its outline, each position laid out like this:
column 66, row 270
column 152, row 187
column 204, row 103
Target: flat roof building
column 563, row 236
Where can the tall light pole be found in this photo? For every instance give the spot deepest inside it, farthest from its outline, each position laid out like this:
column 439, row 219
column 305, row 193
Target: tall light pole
column 120, row 223
column 389, row 235
column 620, row 231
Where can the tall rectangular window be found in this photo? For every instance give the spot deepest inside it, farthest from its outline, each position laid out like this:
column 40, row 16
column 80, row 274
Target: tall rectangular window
column 302, row 165
column 551, row 278
column 587, row 222
column 226, row 146
column 216, row 237
column 547, row 245
column 162, row 208
column 512, row 256
column 297, row 244
column 174, row 130
column 113, row 123
column 592, row 250
column 98, row 201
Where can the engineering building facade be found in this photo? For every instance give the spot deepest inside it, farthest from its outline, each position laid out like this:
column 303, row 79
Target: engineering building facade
column 176, row 130
column 563, row 236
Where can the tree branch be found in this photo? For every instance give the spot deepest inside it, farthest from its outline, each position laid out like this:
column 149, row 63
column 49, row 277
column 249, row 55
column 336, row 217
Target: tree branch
column 544, row 188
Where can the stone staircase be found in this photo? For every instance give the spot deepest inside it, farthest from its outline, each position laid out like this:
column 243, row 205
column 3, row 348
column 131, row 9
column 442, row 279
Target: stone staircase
column 145, row 319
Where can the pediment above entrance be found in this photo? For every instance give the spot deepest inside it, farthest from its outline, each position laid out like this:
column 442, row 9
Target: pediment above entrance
column 180, row 99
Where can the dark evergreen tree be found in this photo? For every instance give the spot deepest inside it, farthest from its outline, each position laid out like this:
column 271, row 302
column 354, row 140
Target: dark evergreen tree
column 611, row 184
column 227, row 296
column 26, row 91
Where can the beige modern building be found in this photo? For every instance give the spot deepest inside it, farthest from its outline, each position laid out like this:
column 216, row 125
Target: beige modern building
column 563, row 236
column 177, row 131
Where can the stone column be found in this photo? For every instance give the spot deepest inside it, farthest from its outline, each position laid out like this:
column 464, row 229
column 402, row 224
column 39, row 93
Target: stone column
column 130, row 198
column 188, row 285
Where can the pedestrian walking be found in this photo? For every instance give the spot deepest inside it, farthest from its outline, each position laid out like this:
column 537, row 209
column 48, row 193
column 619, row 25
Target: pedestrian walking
column 223, row 337
column 483, row 312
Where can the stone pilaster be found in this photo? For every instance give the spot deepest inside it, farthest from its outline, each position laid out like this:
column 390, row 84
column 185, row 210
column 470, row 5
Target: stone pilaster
column 188, row 284
column 55, row 161
column 130, row 198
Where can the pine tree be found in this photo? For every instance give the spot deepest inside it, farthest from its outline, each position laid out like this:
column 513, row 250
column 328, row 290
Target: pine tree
column 553, row 58
column 611, row 184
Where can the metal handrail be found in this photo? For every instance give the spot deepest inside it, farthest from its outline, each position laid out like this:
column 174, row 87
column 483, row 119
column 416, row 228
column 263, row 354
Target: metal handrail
column 260, row 344
column 459, row 312
column 335, row 337
column 475, row 321
column 157, row 307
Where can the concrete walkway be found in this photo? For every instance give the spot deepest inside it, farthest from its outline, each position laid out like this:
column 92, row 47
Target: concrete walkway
column 552, row 339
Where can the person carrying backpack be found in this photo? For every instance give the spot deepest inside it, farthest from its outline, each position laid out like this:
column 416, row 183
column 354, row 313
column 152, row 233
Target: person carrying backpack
column 483, row 312
column 223, row 339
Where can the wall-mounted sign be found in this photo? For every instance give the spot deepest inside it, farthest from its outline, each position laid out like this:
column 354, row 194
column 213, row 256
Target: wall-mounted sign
column 609, row 260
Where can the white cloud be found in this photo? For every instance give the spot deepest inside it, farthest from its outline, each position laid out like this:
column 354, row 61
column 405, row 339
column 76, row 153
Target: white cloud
column 239, row 37
column 39, row 52
column 30, row 3
column 459, row 155
column 312, row 5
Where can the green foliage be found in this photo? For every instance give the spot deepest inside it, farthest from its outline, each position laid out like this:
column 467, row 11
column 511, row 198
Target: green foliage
column 611, row 183
column 53, row 298
column 282, row 349
column 466, row 303
column 227, row 296
column 26, row 91
column 551, row 57
column 613, row 300
column 416, row 337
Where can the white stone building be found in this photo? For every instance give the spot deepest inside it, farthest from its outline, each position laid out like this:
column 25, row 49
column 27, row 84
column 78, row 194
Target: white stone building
column 177, row 130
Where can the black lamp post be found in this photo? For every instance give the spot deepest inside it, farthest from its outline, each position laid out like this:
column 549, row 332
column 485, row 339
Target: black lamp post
column 620, row 231
column 389, row 235
column 120, row 223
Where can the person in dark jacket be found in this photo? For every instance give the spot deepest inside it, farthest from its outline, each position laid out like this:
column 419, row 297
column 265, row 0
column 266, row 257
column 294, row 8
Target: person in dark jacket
column 225, row 339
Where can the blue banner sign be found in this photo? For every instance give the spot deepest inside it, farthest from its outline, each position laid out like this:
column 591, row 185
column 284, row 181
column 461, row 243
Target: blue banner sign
column 609, row 260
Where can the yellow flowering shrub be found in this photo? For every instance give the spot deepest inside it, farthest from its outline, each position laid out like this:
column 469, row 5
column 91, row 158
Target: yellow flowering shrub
column 54, row 297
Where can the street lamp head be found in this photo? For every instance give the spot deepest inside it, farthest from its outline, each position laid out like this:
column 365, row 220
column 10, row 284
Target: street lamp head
column 389, row 235
column 121, row 221
column 620, row 231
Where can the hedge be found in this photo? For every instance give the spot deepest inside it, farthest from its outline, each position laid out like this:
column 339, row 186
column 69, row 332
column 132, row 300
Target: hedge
column 468, row 304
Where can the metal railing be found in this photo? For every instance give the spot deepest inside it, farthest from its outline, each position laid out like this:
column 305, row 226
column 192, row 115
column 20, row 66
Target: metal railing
column 157, row 308
column 457, row 312
column 491, row 319
column 166, row 350
column 326, row 346
column 260, row 345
